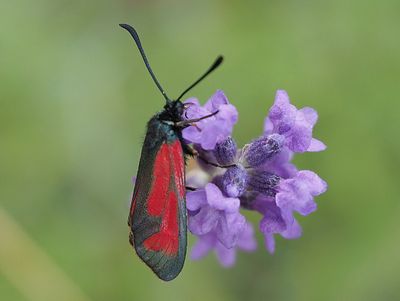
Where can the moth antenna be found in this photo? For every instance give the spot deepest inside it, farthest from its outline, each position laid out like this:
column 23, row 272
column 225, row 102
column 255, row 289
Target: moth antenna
column 135, row 37
column 214, row 66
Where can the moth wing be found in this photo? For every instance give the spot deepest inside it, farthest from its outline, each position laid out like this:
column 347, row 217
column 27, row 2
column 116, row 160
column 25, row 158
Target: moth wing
column 158, row 211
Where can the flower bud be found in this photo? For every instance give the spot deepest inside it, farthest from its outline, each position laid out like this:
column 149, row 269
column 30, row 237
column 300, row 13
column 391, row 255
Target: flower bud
column 263, row 148
column 264, row 182
column 234, row 181
column 225, row 151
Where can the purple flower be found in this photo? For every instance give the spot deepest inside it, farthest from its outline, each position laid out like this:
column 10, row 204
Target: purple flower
column 295, row 194
column 298, row 193
column 209, row 131
column 275, row 221
column 211, row 211
column 295, row 125
column 226, row 256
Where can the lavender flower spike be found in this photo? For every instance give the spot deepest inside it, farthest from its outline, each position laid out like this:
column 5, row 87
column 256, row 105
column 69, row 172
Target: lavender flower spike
column 259, row 177
column 208, row 132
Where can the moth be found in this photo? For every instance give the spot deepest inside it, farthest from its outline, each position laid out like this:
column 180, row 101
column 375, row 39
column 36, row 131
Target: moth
column 157, row 217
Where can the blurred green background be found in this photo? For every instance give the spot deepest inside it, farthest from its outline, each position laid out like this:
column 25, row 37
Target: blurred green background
column 75, row 98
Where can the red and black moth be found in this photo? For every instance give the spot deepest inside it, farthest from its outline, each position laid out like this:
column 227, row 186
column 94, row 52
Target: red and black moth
column 157, row 217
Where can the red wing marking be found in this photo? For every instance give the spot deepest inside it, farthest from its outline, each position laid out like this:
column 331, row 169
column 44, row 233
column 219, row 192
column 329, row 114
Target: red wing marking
column 179, row 172
column 163, row 199
column 167, row 239
column 160, row 185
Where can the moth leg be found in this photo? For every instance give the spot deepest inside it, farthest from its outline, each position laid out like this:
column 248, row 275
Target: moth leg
column 215, row 164
column 190, row 150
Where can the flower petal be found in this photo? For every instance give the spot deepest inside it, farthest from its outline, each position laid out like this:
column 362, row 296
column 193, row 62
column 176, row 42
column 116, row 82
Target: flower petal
column 192, row 101
column 272, row 222
column 191, row 134
column 300, row 135
column 195, row 199
column 247, row 241
column 316, row 146
column 194, row 109
column 228, row 113
column 310, row 115
column 229, row 228
column 299, row 140
column 216, row 100
column 268, row 126
column 315, row 184
column 281, row 98
column 270, row 242
column 204, row 221
column 216, row 200
column 203, row 246
column 297, row 193
column 292, row 231
column 225, row 256
column 282, row 114
column 212, row 133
